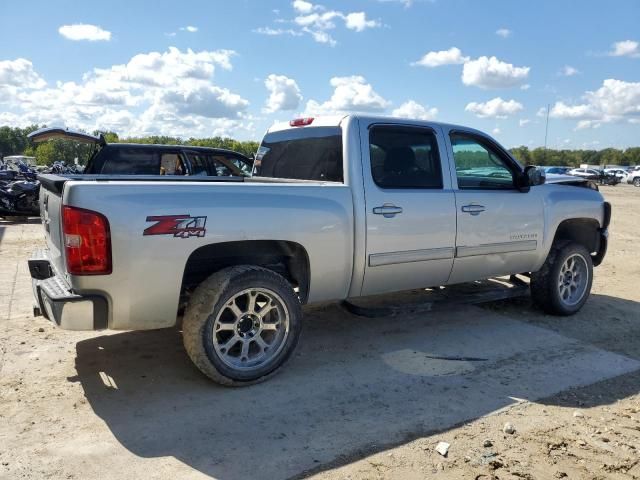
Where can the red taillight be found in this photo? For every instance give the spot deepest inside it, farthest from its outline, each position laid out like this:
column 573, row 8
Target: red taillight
column 87, row 241
column 301, row 122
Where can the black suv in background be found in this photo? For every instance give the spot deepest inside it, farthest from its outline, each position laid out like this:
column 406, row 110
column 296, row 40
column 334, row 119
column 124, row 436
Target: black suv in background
column 142, row 159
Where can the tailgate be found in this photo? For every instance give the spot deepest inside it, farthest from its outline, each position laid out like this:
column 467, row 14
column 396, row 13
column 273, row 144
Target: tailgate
column 51, row 214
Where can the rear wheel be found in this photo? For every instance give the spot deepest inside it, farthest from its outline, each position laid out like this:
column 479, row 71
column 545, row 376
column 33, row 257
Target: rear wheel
column 636, row 182
column 563, row 284
column 241, row 325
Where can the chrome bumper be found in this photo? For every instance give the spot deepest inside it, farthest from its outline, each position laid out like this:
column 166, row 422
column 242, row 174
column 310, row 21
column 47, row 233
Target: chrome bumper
column 56, row 301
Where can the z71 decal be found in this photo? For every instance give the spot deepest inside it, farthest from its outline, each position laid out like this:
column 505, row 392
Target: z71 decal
column 182, row 226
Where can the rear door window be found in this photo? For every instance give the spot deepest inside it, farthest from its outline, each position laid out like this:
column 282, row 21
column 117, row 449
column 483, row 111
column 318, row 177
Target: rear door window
column 311, row 153
column 404, row 157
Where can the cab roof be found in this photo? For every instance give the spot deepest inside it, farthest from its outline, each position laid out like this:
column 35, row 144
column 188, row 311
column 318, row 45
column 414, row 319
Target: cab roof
column 338, row 120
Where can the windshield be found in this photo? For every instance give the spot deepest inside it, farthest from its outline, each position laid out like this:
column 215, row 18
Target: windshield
column 312, row 153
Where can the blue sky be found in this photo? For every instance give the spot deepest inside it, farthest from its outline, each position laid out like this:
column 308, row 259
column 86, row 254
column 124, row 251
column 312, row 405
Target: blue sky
column 199, row 68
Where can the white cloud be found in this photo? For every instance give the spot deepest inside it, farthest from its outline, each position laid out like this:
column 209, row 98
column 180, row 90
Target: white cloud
column 277, row 31
column 562, row 110
column 301, row 6
column 83, row 31
column 358, row 21
column 317, row 21
column 495, row 108
column 526, row 86
column 523, row 121
column 202, row 100
column 496, row 131
column 569, row 71
column 412, row 109
column 504, row 32
column 405, row 3
column 189, row 28
column 489, row 72
column 351, row 94
column 19, row 73
column 284, row 93
column 168, row 93
column 625, row 48
column 453, row 56
column 614, row 101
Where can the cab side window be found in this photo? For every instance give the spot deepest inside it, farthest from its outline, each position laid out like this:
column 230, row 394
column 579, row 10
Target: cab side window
column 479, row 166
column 404, row 157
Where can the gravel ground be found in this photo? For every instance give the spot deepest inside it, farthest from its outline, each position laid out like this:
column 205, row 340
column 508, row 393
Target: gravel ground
column 363, row 398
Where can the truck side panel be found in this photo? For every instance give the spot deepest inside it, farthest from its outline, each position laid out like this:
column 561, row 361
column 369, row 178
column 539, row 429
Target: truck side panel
column 144, row 288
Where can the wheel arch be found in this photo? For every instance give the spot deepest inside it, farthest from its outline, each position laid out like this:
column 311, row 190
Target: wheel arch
column 584, row 231
column 289, row 259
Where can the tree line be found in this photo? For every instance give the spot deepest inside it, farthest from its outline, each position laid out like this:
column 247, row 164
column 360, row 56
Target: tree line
column 13, row 141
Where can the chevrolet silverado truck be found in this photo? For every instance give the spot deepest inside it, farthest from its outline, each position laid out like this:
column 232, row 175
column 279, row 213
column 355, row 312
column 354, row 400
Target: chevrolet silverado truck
column 337, row 207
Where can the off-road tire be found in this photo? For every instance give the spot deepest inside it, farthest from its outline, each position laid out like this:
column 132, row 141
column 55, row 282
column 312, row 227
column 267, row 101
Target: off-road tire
column 210, row 296
column 544, row 283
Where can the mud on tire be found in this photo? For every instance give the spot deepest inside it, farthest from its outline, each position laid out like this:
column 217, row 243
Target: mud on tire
column 241, row 325
column 563, row 284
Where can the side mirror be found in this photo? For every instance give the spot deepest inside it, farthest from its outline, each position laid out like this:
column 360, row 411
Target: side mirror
column 535, row 175
column 531, row 177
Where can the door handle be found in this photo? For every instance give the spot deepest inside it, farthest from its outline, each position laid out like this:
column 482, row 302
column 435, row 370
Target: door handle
column 473, row 209
column 387, row 210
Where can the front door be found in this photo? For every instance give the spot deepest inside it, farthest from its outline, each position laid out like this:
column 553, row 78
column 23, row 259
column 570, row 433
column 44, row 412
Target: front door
column 410, row 219
column 500, row 228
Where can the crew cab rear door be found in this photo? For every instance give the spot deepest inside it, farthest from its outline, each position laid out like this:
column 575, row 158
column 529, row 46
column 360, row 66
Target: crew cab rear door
column 410, row 207
column 500, row 228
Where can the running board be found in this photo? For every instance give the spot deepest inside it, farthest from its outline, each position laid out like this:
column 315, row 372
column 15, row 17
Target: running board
column 463, row 294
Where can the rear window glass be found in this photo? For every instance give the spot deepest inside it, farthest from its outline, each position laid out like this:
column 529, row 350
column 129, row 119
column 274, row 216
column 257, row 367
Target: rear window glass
column 312, row 153
column 125, row 161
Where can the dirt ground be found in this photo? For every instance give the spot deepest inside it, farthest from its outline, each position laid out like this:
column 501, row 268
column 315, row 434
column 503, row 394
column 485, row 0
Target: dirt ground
column 363, row 398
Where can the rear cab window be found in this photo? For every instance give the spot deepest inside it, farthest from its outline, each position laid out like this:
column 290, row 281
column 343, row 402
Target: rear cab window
column 310, row 153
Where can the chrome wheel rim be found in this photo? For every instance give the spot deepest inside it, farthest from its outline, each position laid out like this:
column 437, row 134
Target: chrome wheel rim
column 573, row 279
column 251, row 329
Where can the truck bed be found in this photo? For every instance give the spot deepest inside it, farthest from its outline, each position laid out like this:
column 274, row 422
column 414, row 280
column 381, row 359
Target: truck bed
column 318, row 216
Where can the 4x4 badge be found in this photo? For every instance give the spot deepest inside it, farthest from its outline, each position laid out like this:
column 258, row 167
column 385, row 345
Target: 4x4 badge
column 182, row 226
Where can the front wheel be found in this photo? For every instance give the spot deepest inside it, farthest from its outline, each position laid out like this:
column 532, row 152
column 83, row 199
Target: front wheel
column 636, row 182
column 563, row 284
column 241, row 325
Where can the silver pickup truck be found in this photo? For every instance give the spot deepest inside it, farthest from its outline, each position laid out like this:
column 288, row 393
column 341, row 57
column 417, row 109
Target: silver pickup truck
column 337, row 207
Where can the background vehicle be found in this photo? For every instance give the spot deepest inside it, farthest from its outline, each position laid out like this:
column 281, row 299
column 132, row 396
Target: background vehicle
column 600, row 176
column 590, row 173
column 557, row 170
column 634, row 178
column 19, row 189
column 143, row 159
column 338, row 207
column 618, row 172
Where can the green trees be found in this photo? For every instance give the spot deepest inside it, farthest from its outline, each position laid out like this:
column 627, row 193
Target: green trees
column 573, row 158
column 13, row 141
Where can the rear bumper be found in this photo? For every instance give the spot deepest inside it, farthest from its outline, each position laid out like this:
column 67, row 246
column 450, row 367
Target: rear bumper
column 56, row 301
